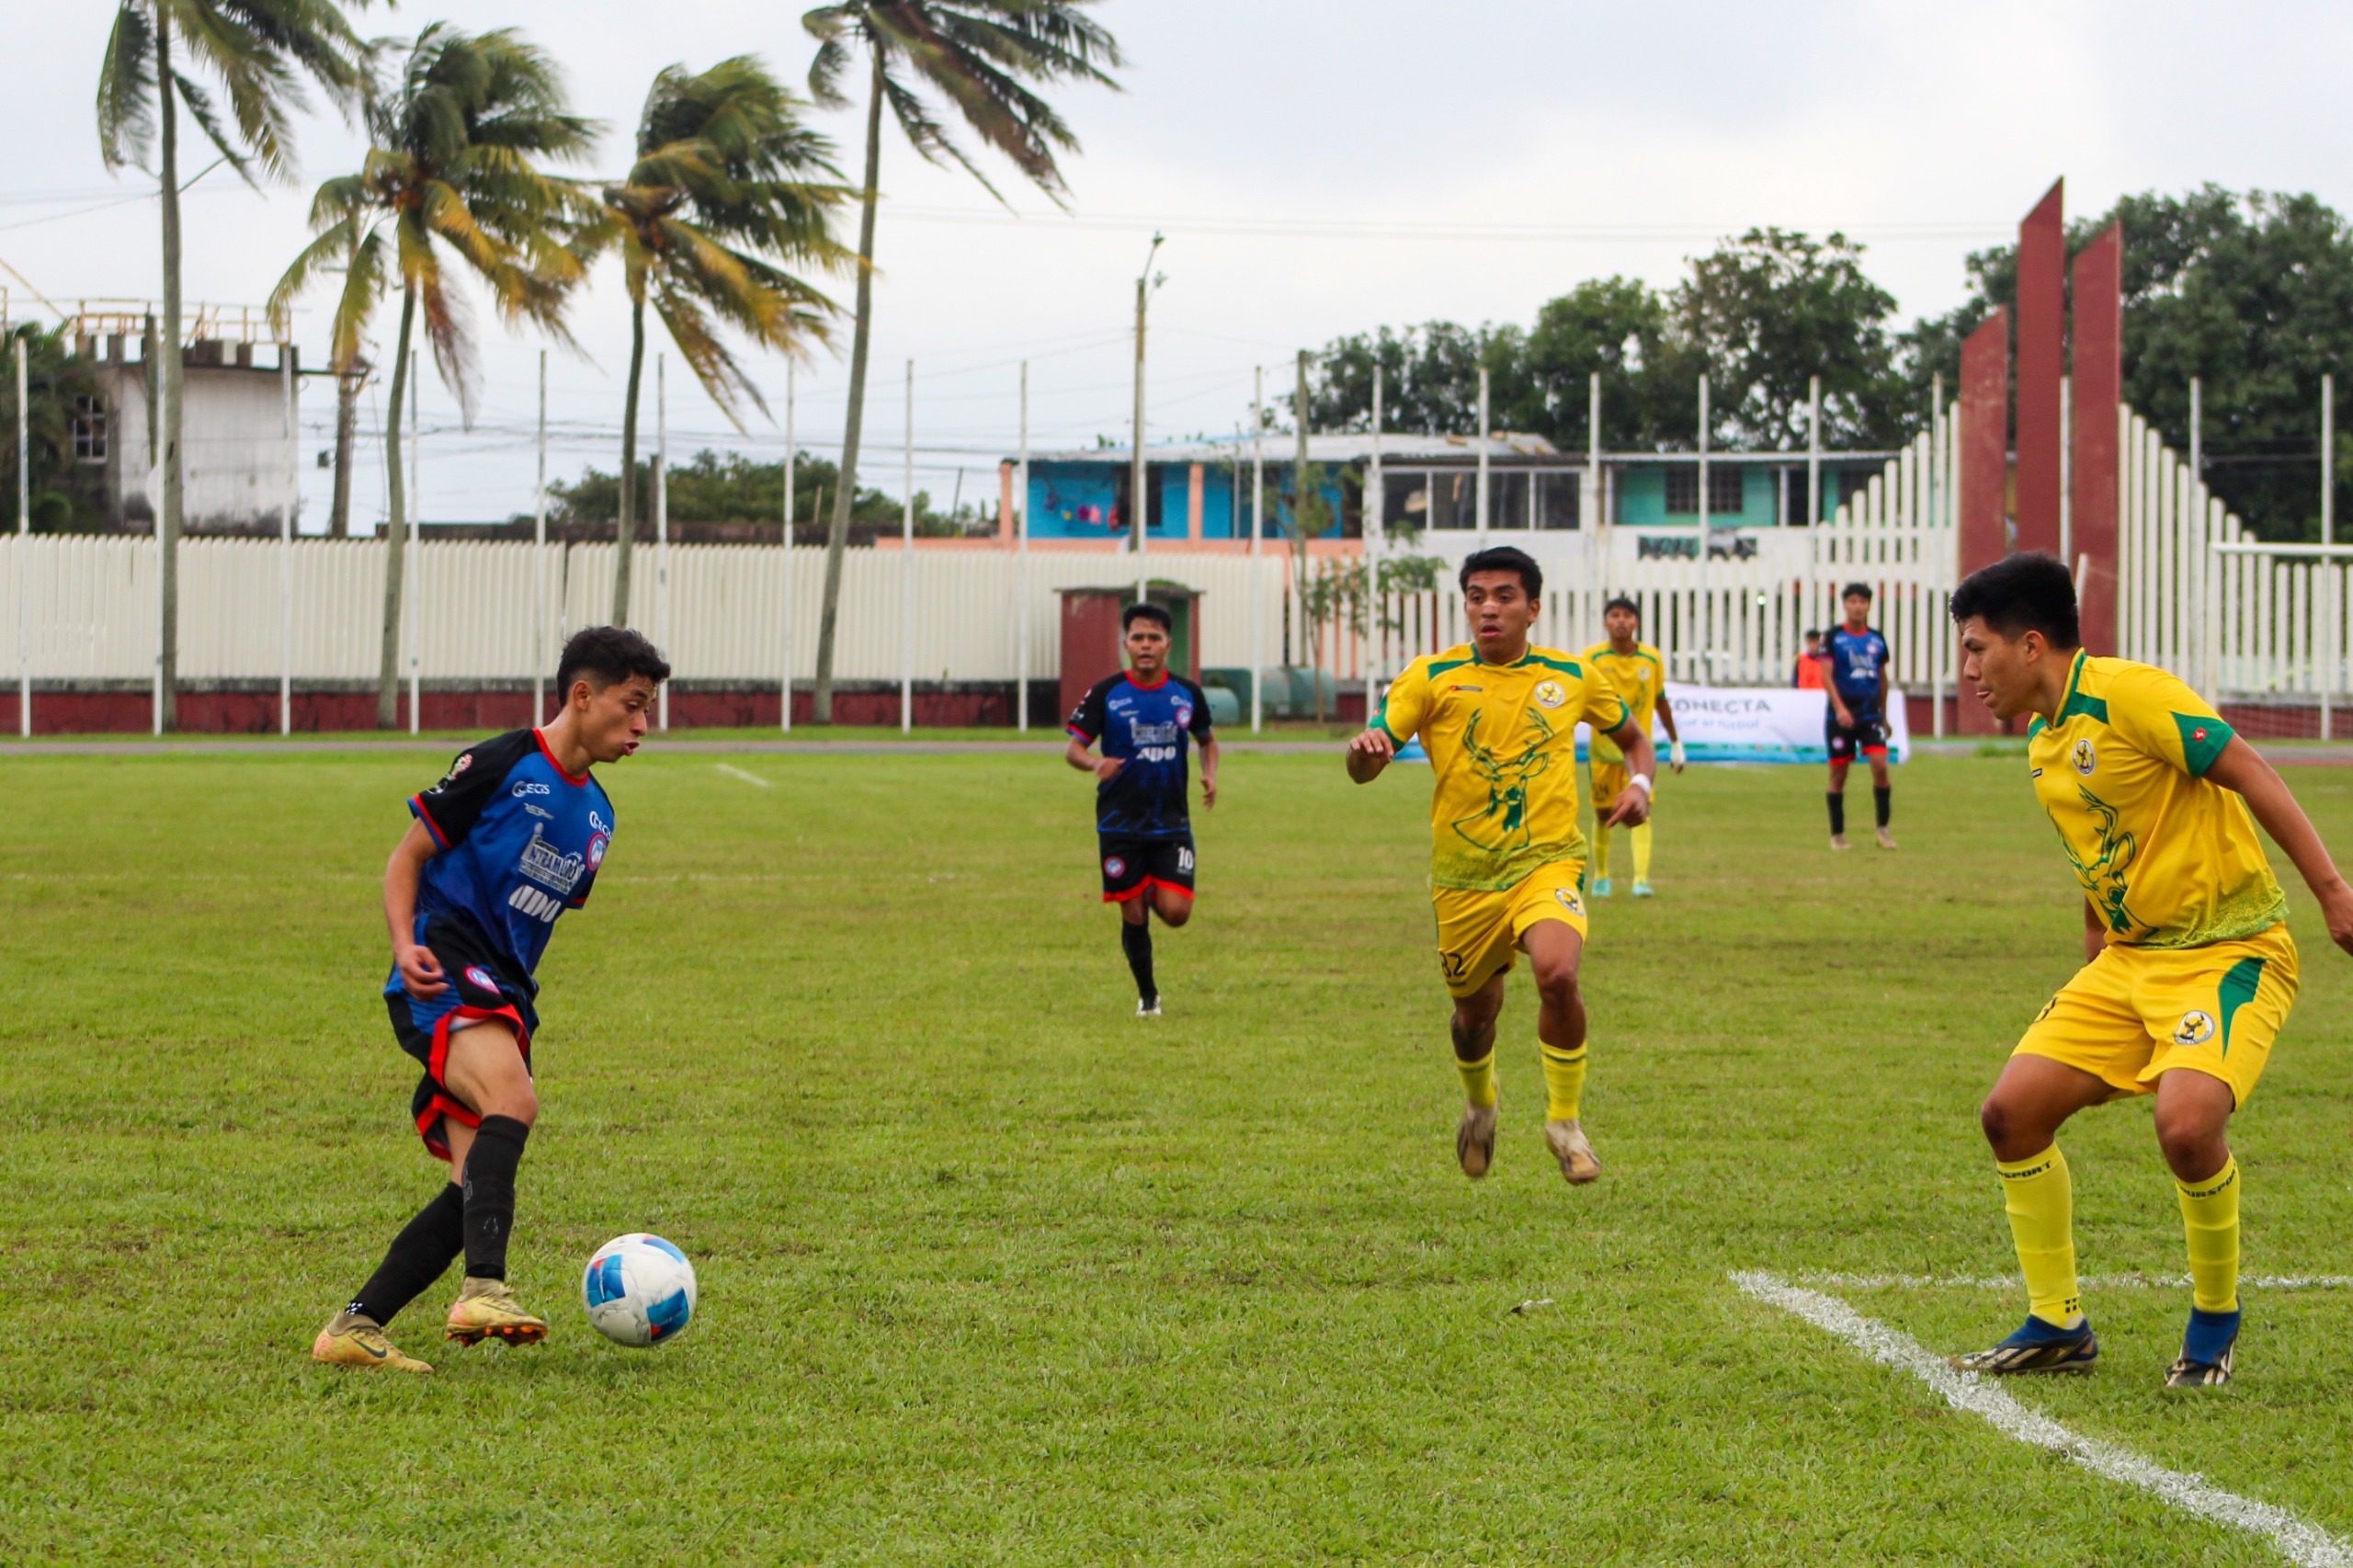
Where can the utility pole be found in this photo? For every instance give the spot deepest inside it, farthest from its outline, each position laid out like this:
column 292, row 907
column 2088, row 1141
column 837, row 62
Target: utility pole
column 1302, row 648
column 24, row 562
column 1145, row 283
column 540, row 562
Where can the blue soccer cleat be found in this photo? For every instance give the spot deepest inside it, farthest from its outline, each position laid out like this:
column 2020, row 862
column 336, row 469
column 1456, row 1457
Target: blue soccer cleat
column 2207, row 1349
column 1643, row 890
column 2038, row 1347
column 1602, row 888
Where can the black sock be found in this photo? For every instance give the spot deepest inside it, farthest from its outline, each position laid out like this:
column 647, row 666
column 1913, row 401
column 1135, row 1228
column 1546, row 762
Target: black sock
column 1881, row 799
column 419, row 1255
column 490, row 1194
column 1837, row 813
column 1136, row 942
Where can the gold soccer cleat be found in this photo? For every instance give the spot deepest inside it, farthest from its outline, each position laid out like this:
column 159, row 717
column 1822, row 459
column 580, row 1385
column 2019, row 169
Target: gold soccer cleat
column 486, row 1308
column 1571, row 1147
column 350, row 1340
column 1475, row 1140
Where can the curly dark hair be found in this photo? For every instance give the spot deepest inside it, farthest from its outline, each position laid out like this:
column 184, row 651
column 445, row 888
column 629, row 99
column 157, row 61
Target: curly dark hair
column 609, row 655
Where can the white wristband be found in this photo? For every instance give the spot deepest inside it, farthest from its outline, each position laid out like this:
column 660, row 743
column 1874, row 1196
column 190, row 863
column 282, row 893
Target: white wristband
column 1640, row 781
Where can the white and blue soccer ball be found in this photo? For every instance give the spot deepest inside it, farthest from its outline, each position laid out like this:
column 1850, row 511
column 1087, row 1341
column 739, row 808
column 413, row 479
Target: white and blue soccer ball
column 638, row 1290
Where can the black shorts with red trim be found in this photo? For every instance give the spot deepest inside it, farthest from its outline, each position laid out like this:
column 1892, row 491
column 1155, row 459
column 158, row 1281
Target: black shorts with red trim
column 1133, row 865
column 1867, row 736
column 423, row 1027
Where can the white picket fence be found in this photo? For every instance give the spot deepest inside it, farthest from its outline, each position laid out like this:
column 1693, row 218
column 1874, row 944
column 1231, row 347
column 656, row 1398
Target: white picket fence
column 2248, row 628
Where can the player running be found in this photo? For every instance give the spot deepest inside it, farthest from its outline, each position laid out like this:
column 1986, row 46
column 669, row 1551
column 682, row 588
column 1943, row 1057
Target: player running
column 1499, row 719
column 1857, row 718
column 1635, row 672
column 512, row 837
column 1143, row 715
column 2190, row 971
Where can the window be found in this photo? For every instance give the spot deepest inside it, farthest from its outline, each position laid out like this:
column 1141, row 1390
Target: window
column 1726, row 491
column 1559, row 495
column 90, row 430
column 1852, row 481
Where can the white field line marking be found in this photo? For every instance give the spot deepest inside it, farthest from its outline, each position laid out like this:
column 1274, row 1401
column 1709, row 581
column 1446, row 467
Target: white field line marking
column 2299, row 1541
column 1833, row 1281
column 746, row 778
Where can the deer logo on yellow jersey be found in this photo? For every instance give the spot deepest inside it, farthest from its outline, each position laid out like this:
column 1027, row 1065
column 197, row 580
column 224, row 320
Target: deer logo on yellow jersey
column 1503, row 825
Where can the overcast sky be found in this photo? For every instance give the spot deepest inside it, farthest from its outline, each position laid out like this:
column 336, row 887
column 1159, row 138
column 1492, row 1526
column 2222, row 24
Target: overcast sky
column 1319, row 168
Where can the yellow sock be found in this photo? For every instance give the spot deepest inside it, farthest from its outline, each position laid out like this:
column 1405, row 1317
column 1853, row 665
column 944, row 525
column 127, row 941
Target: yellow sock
column 1563, row 1081
column 2041, row 1198
column 1600, row 851
column 1641, row 852
column 2210, row 1218
column 1478, row 1078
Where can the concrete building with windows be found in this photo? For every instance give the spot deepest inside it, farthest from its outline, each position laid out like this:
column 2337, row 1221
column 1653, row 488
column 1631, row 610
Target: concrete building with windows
column 238, row 447
column 1199, row 494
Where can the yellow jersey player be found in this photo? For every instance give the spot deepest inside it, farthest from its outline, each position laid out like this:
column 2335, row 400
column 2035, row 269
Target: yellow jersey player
column 1498, row 720
column 1632, row 669
column 2189, row 971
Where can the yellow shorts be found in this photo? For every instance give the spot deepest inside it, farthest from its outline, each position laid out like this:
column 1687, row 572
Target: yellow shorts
column 1478, row 931
column 1608, row 778
column 2133, row 1014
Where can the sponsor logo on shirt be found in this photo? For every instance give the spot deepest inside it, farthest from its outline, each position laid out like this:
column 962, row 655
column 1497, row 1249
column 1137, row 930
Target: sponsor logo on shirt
column 1158, row 734
column 1478, row 688
column 525, row 786
column 541, row 812
column 534, row 902
column 550, row 866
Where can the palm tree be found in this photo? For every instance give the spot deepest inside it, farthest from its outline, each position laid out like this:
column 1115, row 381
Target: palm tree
column 975, row 53
column 258, row 51
column 728, row 184
column 454, row 147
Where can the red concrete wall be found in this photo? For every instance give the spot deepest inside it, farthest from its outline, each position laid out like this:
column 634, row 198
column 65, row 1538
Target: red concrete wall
column 482, row 712
column 2098, row 389
column 2043, row 356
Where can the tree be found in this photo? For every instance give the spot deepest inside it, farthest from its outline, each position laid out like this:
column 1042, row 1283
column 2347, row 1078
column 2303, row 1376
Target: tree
column 977, row 54
column 453, row 165
column 1430, row 378
column 259, row 51
column 709, row 488
column 724, row 195
column 55, row 378
column 2252, row 293
column 1768, row 311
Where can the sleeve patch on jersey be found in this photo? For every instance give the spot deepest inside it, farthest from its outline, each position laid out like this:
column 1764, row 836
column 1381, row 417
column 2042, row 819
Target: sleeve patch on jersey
column 2202, row 741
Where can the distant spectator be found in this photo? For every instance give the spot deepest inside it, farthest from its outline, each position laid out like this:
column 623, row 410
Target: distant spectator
column 1809, row 671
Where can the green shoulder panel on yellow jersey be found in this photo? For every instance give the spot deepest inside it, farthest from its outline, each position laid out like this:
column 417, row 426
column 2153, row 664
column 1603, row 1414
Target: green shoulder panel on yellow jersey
column 1502, row 741
column 2166, row 857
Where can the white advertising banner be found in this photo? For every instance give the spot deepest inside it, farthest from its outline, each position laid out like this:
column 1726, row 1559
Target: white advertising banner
column 1759, row 723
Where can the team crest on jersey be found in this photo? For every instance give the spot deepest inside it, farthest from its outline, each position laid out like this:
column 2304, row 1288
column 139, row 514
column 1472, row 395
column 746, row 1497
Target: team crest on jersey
column 480, row 979
column 1570, row 901
column 596, row 850
column 1114, row 867
column 1184, row 716
column 1551, row 694
column 2195, row 1028
column 465, row 760
column 2085, row 758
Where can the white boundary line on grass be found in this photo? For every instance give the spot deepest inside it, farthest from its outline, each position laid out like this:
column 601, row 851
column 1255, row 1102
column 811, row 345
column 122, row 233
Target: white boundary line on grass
column 2304, row 1544
column 1833, row 1281
column 746, row 778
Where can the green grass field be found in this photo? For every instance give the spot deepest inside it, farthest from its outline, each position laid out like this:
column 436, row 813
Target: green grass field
column 992, row 1270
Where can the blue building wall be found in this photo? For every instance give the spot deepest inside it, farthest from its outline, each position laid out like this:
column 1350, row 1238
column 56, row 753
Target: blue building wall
column 1075, row 500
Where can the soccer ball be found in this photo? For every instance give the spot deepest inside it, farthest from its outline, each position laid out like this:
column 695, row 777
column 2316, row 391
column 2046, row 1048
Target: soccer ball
column 638, row 1290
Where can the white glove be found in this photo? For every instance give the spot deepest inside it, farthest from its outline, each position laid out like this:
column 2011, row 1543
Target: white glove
column 1674, row 754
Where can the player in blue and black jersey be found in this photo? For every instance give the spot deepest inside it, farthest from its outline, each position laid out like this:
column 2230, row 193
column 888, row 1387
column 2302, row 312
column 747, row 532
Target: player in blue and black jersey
column 1145, row 717
column 1855, row 718
column 512, row 837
